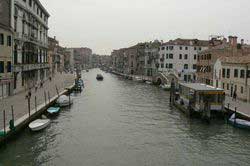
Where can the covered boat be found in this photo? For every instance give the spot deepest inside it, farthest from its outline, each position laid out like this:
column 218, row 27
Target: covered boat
column 53, row 110
column 39, row 124
column 99, row 77
column 240, row 123
column 63, row 101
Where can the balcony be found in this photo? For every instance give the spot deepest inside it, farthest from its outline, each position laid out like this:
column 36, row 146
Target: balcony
column 28, row 67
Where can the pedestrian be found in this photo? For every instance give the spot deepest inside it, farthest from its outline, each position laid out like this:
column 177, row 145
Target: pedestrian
column 234, row 95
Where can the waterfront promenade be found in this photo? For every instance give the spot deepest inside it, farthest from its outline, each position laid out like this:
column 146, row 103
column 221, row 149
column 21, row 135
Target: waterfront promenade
column 241, row 106
column 20, row 103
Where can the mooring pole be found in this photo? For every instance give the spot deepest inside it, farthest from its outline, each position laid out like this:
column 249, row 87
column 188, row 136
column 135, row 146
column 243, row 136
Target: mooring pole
column 4, row 121
column 29, row 105
column 235, row 111
column 35, row 104
column 49, row 96
column 45, row 98
column 57, row 91
column 12, row 112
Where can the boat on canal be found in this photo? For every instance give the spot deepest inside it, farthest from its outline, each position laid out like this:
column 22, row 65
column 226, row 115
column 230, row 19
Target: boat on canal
column 53, row 110
column 39, row 124
column 99, row 77
column 149, row 82
column 239, row 123
column 200, row 99
column 165, row 87
column 64, row 101
column 138, row 79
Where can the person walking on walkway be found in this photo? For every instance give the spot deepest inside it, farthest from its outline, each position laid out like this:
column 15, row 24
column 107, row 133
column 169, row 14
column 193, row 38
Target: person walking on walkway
column 234, row 95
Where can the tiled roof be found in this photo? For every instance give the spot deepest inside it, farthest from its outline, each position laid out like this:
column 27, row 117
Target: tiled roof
column 188, row 42
column 236, row 59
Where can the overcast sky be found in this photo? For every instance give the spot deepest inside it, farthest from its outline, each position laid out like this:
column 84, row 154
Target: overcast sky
column 104, row 25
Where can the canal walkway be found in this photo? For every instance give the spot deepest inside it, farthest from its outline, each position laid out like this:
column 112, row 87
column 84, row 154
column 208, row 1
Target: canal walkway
column 20, row 103
column 241, row 106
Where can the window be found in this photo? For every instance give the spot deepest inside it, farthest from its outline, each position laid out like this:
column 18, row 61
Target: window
column 170, row 56
column 30, row 3
column 223, row 85
column 1, row 39
column 180, row 48
column 8, row 66
column 180, row 56
column 227, row 86
column 1, row 66
column 186, row 48
column 235, row 73
column 166, row 65
column 241, row 89
column 195, row 56
column 228, row 73
column 9, row 42
column 248, row 73
column 170, row 66
column 166, row 47
column 162, row 65
column 194, row 48
column 185, row 66
column 194, row 66
column 200, row 48
column 171, row 47
column 235, row 88
column 166, row 56
column 223, row 73
column 186, row 56
column 162, row 48
column 242, row 73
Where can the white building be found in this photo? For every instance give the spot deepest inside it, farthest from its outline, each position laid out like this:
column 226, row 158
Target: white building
column 180, row 57
column 30, row 24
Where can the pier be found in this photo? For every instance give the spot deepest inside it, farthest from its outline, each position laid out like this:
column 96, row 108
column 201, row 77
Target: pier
column 21, row 109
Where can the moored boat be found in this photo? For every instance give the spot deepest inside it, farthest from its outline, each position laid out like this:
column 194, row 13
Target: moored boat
column 53, row 110
column 165, row 87
column 64, row 101
column 99, row 77
column 149, row 82
column 240, row 123
column 138, row 79
column 39, row 124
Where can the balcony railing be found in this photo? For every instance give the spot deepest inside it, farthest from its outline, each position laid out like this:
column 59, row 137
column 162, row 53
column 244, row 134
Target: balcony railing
column 28, row 67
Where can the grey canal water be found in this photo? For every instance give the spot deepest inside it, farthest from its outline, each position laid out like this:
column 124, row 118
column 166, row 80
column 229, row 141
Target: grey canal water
column 119, row 122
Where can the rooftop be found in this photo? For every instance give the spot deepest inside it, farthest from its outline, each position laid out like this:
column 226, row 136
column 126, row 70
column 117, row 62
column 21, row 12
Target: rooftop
column 236, row 59
column 201, row 87
column 187, row 42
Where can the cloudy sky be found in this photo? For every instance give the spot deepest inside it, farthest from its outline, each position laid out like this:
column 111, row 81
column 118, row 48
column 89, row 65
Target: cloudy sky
column 104, row 25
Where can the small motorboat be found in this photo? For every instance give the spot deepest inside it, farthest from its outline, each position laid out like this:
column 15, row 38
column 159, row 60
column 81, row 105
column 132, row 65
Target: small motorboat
column 63, row 101
column 240, row 123
column 99, row 77
column 53, row 110
column 165, row 87
column 39, row 124
column 149, row 82
column 138, row 79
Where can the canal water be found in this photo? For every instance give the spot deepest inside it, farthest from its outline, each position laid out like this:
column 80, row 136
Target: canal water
column 118, row 122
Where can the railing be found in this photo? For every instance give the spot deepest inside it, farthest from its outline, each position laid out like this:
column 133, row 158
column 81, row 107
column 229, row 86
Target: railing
column 27, row 67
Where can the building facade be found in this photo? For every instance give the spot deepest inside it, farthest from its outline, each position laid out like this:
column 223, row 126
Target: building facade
column 30, row 24
column 179, row 56
column 233, row 75
column 151, row 64
column 6, row 49
column 218, row 47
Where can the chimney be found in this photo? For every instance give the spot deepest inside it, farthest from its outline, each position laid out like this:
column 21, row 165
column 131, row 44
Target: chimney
column 55, row 37
column 242, row 41
column 233, row 41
